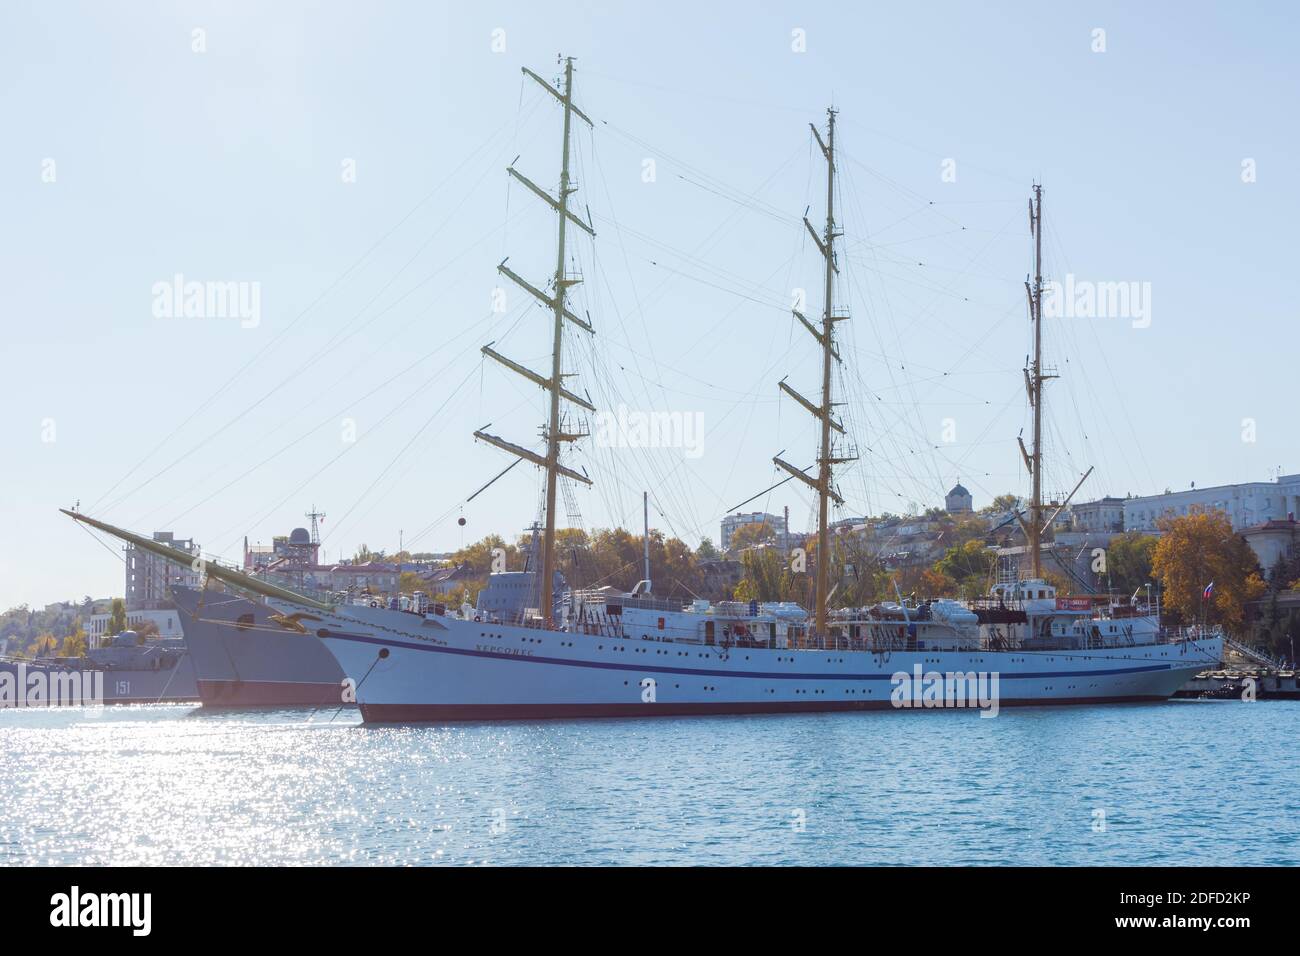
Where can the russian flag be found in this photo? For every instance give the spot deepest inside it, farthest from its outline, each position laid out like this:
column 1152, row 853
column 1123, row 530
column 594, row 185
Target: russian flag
column 1209, row 591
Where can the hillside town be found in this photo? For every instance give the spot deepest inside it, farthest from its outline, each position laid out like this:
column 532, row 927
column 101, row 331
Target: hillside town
column 1104, row 549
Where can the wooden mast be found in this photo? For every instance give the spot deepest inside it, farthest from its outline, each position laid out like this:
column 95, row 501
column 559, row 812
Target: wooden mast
column 550, row 463
column 1036, row 394
column 1035, row 376
column 825, row 337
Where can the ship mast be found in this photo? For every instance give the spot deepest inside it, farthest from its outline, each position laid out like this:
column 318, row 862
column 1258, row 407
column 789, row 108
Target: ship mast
column 1035, row 376
column 825, row 337
column 1036, row 387
column 554, row 434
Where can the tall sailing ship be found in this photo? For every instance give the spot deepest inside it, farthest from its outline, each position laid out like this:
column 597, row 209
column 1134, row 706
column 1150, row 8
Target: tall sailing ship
column 606, row 653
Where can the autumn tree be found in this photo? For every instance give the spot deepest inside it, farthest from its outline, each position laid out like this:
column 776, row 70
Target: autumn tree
column 1197, row 549
column 934, row 583
column 74, row 645
column 43, row 646
column 750, row 535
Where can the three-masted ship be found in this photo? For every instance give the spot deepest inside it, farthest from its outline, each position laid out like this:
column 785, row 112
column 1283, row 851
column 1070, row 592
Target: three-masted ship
column 610, row 654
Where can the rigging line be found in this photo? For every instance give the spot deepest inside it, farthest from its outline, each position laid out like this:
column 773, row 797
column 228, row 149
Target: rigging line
column 902, row 242
column 415, row 460
column 712, row 238
column 334, row 339
column 781, row 217
column 285, row 381
column 617, row 476
column 411, row 464
column 751, row 201
column 316, row 475
column 722, row 288
column 427, row 529
column 329, row 419
column 342, row 522
column 283, row 332
column 997, row 417
column 852, row 198
column 1018, row 181
column 619, row 230
column 911, row 263
column 930, row 310
column 326, row 421
column 696, row 95
column 378, row 425
column 689, row 257
column 351, row 369
column 115, row 552
column 1052, row 235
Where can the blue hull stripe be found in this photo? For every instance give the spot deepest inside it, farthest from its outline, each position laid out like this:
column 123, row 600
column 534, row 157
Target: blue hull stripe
column 703, row 672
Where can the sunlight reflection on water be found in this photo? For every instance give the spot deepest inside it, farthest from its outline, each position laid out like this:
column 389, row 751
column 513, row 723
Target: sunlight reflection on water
column 1183, row 782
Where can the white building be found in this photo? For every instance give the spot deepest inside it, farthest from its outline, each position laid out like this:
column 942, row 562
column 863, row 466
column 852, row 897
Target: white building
column 1104, row 514
column 1273, row 541
column 1246, row 505
column 168, row 622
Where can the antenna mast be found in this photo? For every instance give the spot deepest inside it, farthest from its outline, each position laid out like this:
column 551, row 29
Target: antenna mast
column 825, row 337
column 555, row 384
column 315, row 517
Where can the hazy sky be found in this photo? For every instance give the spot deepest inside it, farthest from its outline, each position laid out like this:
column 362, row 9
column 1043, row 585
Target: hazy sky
column 346, row 162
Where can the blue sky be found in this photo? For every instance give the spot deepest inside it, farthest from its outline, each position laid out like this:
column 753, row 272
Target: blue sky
column 376, row 294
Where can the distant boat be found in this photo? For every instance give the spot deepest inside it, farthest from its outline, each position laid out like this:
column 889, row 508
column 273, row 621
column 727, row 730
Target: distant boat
column 125, row 671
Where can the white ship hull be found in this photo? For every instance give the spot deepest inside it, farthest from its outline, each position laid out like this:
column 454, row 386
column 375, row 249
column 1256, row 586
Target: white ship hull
column 409, row 668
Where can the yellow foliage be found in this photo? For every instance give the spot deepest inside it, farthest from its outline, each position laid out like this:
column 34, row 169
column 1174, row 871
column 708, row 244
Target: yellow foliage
column 1197, row 549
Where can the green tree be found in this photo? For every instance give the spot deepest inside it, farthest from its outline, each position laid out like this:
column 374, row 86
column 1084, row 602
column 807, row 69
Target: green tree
column 1129, row 557
column 707, row 551
column 767, row 577
column 969, row 565
column 364, row 555
column 116, row 618
column 1002, row 503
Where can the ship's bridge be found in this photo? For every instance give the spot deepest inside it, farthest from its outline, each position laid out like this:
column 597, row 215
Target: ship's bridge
column 1032, row 595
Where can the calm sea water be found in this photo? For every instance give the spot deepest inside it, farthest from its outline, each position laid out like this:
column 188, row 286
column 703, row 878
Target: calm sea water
column 1182, row 782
